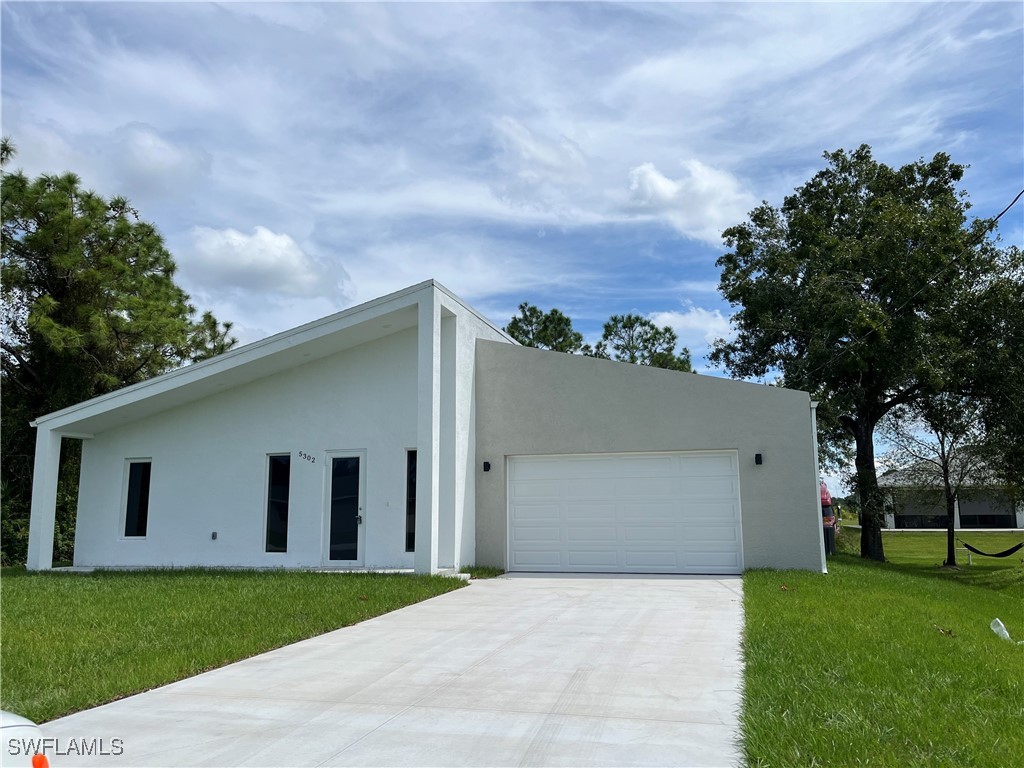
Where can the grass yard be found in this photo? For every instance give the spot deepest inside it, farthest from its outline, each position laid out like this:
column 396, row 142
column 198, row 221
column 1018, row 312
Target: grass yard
column 482, row 571
column 71, row 641
column 922, row 552
column 886, row 664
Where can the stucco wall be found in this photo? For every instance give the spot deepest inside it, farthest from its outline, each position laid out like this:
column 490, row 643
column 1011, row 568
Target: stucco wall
column 532, row 401
column 462, row 368
column 210, row 467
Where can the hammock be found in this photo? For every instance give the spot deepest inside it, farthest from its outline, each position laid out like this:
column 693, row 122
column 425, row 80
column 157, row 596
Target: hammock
column 1005, row 553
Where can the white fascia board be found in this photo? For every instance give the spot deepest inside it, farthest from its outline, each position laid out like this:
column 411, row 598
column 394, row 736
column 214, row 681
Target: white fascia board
column 257, row 350
column 454, row 304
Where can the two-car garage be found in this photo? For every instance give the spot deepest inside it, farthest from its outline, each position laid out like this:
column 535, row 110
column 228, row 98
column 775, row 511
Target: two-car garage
column 587, row 465
column 676, row 512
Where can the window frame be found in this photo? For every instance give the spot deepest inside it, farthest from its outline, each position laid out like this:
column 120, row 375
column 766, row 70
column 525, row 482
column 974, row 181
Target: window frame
column 410, row 497
column 267, row 502
column 126, row 492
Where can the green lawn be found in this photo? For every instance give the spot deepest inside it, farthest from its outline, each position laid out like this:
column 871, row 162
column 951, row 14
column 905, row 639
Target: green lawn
column 482, row 571
column 924, row 551
column 72, row 641
column 886, row 664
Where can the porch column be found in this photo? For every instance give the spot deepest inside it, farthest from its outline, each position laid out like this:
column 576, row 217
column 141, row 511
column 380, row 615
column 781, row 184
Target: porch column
column 428, row 433
column 44, row 500
column 817, row 486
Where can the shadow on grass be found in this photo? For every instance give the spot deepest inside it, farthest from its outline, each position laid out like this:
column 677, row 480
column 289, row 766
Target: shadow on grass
column 904, row 555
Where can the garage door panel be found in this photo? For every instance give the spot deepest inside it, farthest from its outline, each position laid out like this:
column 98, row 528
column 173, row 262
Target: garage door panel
column 644, row 513
column 589, row 512
column 535, row 489
column 663, row 559
column 707, row 487
column 645, row 466
column 729, row 562
column 525, row 512
column 590, row 534
column 647, row 488
column 550, row 559
column 717, row 511
column 712, row 533
column 707, row 466
column 597, row 488
column 648, row 512
column 651, row 534
column 581, row 558
column 548, row 534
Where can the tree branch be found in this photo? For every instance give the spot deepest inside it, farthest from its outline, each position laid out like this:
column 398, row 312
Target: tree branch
column 13, row 352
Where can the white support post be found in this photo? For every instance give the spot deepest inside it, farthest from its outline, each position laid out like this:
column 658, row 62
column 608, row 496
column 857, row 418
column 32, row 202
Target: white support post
column 817, row 486
column 44, row 500
column 428, row 438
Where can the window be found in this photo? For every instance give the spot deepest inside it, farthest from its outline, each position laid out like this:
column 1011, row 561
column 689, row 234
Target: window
column 410, row 501
column 278, row 483
column 136, row 516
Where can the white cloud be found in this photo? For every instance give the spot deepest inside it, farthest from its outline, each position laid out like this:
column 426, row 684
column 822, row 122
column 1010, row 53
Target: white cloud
column 141, row 160
column 472, row 267
column 405, row 142
column 260, row 262
column 561, row 158
column 697, row 328
column 699, row 204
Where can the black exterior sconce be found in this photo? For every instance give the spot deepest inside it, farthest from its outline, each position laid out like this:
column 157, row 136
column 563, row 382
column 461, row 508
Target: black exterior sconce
column 487, row 466
column 758, row 459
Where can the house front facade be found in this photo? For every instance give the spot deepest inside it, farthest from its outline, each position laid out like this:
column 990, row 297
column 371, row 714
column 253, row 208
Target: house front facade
column 913, row 499
column 411, row 433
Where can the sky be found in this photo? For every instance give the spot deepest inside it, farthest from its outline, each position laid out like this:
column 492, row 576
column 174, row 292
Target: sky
column 303, row 158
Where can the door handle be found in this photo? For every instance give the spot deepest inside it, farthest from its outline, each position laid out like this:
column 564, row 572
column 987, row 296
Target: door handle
column 359, row 519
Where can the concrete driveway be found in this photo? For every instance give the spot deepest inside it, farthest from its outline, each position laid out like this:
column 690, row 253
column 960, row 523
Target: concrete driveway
column 517, row 671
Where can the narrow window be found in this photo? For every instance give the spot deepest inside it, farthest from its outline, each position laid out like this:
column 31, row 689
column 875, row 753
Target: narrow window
column 280, row 470
column 410, row 501
column 137, row 505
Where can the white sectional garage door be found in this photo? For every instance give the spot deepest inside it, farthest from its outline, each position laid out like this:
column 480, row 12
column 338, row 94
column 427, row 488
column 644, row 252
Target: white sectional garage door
column 625, row 513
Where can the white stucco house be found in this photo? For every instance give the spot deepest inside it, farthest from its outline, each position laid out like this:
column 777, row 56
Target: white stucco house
column 409, row 432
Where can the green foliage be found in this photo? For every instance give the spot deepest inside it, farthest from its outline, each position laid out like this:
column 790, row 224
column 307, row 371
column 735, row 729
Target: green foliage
column 73, row 641
column 629, row 338
column 553, row 330
column 635, row 339
column 89, row 305
column 996, row 374
column 846, row 290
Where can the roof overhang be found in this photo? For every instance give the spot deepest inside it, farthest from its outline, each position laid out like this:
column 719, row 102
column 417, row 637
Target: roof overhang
column 284, row 351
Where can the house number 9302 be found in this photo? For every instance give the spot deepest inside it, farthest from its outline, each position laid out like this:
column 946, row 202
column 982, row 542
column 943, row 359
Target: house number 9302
column 307, row 457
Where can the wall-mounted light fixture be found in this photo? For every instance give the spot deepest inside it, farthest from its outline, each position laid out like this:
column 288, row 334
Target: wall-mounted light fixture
column 487, row 466
column 758, row 459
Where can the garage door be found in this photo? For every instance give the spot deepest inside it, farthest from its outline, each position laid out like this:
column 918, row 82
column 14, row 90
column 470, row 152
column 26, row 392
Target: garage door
column 625, row 513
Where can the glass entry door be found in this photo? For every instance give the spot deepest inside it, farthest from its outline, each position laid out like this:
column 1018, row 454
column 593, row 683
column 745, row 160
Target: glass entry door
column 345, row 509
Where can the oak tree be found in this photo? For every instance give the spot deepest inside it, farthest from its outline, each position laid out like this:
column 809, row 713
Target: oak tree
column 845, row 290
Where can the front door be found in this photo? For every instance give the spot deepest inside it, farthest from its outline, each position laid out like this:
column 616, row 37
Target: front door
column 344, row 509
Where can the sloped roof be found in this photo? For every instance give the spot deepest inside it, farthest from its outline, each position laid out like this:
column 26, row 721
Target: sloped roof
column 304, row 344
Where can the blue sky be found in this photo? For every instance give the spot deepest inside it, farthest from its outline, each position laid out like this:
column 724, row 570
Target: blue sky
column 301, row 158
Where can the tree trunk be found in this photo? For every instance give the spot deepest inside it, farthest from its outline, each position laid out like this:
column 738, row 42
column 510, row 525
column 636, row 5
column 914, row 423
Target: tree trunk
column 950, row 523
column 867, row 487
